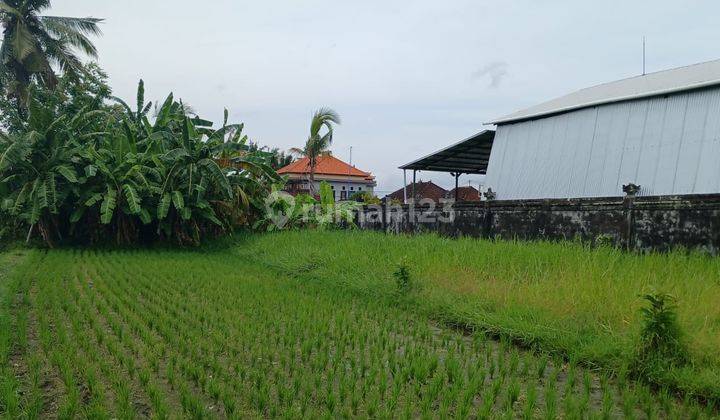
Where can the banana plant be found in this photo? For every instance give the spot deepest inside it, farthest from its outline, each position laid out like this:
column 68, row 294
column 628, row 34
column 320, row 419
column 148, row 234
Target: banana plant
column 39, row 169
column 115, row 171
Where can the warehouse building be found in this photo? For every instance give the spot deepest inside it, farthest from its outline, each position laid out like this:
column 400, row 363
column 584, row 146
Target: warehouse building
column 660, row 131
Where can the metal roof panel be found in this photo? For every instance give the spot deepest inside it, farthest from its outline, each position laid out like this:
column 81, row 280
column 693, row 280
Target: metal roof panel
column 664, row 82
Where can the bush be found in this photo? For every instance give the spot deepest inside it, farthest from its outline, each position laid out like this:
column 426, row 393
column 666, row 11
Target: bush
column 661, row 342
column 403, row 281
column 365, row 198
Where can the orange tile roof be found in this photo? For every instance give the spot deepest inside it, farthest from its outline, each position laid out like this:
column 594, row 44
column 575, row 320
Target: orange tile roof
column 326, row 165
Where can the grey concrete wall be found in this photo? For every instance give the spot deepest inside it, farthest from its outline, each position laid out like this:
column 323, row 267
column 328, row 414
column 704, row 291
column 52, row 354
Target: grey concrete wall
column 637, row 223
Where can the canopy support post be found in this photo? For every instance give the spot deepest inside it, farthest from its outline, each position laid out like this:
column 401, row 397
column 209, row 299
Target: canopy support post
column 404, row 186
column 457, row 175
column 413, row 186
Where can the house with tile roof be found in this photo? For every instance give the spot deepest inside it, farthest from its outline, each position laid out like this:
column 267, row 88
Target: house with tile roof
column 466, row 193
column 344, row 179
column 423, row 190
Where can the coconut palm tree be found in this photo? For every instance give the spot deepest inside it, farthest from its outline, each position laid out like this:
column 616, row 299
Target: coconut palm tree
column 33, row 46
column 320, row 139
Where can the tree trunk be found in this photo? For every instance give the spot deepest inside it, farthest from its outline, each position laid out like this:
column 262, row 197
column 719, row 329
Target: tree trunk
column 312, row 177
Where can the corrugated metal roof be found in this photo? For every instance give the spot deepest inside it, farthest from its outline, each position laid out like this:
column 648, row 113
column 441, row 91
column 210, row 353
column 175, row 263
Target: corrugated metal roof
column 469, row 156
column 652, row 84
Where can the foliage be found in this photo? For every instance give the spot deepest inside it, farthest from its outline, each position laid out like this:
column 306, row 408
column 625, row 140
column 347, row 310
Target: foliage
column 365, row 197
column 276, row 158
column 661, row 340
column 283, row 211
column 126, row 334
column 402, row 277
column 88, row 89
column 109, row 172
column 331, row 214
column 319, row 140
column 34, row 45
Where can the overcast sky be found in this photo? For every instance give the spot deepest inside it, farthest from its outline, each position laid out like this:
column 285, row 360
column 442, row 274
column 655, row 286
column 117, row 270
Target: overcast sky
column 407, row 77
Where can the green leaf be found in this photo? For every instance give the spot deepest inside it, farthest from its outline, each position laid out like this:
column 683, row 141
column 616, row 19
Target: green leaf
column 185, row 213
column 132, row 198
column 90, row 170
column 145, row 216
column 176, row 154
column 51, row 192
column 94, row 199
column 140, row 99
column 164, row 206
column 77, row 214
column 199, row 122
column 41, row 195
column 16, row 152
column 20, row 199
column 164, row 113
column 178, row 200
column 108, row 205
column 217, row 175
column 68, row 173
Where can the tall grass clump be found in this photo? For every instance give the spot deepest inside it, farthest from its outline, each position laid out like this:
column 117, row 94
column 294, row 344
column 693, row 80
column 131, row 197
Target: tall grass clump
column 403, row 282
column 661, row 343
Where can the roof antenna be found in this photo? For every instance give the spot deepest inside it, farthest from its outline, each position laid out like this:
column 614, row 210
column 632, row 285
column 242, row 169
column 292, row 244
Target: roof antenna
column 643, row 42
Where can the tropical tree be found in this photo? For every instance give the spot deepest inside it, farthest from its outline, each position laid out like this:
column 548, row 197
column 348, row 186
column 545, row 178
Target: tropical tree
column 319, row 140
column 276, row 157
column 38, row 167
column 34, row 46
column 111, row 171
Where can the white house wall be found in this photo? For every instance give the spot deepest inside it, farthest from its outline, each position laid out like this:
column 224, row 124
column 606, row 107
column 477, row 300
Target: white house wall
column 667, row 145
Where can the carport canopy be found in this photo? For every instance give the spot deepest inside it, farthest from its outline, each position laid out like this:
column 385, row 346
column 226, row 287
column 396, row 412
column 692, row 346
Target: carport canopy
column 469, row 156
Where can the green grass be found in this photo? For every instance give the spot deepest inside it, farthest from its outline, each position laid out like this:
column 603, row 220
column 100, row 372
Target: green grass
column 167, row 334
column 560, row 297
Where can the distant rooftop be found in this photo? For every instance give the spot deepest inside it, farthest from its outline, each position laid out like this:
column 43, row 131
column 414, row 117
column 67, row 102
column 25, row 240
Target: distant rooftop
column 326, row 164
column 652, row 84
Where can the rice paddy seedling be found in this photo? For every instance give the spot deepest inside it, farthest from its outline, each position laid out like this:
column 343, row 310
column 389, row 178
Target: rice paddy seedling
column 541, row 366
column 530, row 402
column 513, row 393
column 167, row 334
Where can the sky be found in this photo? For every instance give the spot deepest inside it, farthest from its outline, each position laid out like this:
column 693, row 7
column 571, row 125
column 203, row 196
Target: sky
column 407, row 77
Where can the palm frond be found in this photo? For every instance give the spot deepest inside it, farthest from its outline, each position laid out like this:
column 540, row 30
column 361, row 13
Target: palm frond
column 85, row 26
column 22, row 41
column 69, row 35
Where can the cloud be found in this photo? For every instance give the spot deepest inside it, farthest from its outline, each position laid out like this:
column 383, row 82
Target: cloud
column 496, row 71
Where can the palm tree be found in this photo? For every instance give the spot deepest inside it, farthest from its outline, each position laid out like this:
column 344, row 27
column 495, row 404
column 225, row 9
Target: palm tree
column 33, row 45
column 318, row 143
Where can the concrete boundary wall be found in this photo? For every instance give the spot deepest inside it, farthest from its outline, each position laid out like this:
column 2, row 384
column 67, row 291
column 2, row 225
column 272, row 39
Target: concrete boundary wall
column 636, row 223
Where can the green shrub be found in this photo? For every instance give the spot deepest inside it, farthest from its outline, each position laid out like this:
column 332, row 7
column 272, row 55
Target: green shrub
column 661, row 340
column 403, row 281
column 365, row 197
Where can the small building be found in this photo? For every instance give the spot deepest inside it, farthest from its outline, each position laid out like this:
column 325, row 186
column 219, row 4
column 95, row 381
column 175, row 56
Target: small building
column 659, row 131
column 344, row 179
column 426, row 190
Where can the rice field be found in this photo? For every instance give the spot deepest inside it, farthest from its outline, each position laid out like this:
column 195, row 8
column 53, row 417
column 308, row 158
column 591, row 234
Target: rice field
column 561, row 297
column 216, row 334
